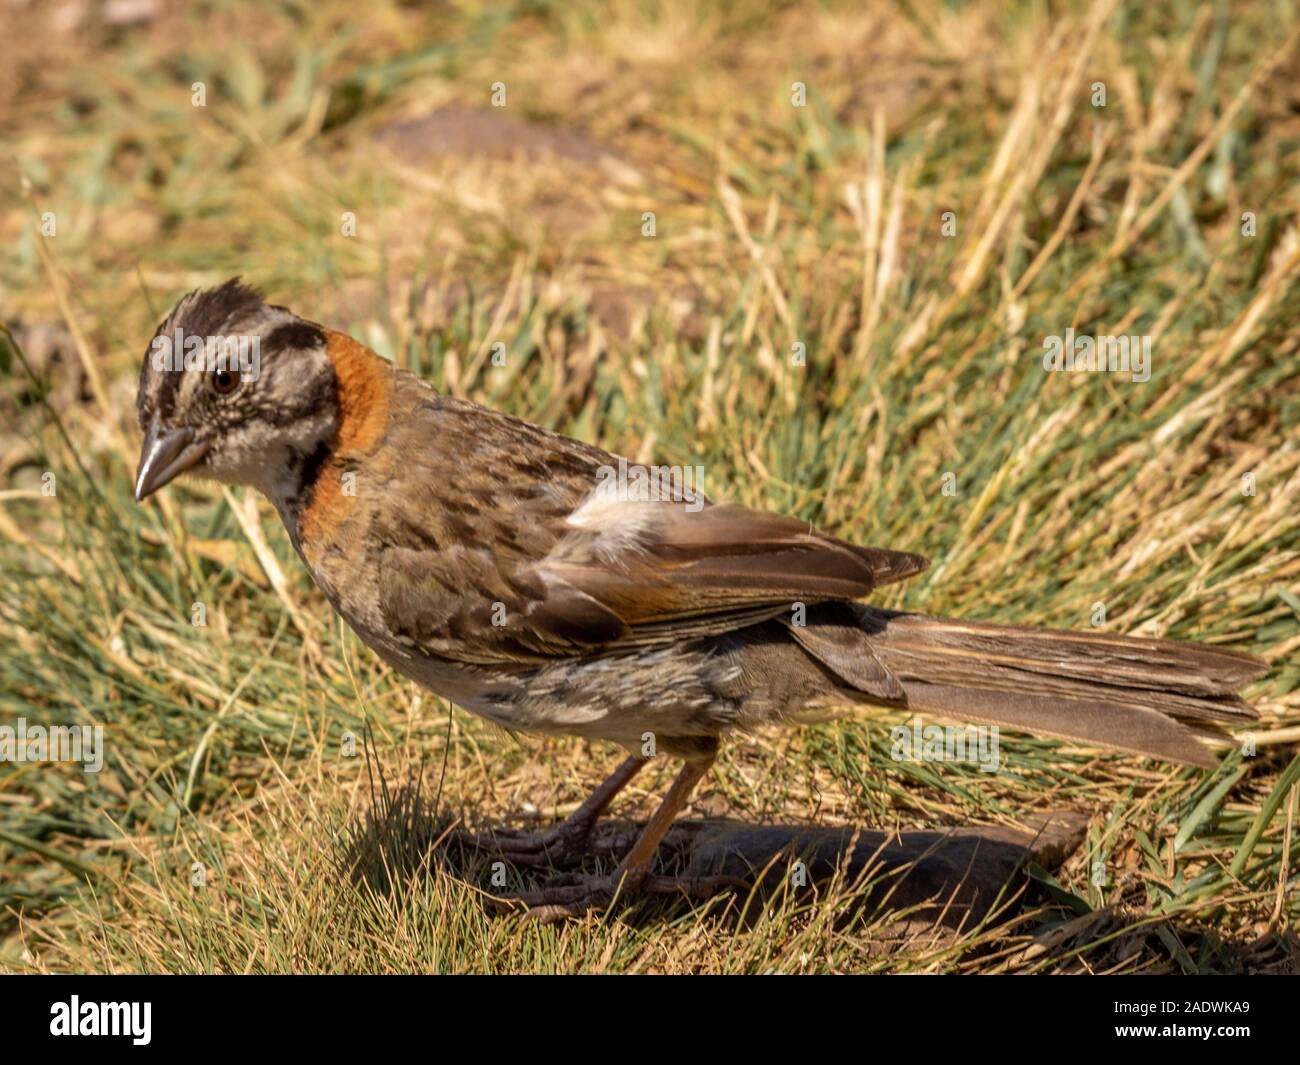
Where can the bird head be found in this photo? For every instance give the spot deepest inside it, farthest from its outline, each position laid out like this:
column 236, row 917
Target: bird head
column 233, row 389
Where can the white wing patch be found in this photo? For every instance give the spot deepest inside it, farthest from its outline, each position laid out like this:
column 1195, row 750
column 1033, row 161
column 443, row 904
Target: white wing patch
column 609, row 525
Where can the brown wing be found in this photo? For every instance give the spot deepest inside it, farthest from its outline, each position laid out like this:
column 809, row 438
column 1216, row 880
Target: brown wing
column 530, row 563
column 680, row 575
column 670, row 566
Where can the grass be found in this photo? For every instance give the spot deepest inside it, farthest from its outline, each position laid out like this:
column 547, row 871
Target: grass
column 774, row 226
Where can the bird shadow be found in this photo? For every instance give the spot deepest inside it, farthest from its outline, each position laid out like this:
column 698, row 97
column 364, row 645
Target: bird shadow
column 985, row 887
column 950, row 878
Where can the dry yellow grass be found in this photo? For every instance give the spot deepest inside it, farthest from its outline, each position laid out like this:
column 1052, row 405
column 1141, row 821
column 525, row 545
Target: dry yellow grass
column 775, row 225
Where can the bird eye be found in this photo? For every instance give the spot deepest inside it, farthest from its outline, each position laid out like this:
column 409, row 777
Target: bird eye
column 225, row 381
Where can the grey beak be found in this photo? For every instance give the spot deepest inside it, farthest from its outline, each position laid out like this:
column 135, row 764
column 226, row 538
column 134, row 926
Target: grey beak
column 166, row 454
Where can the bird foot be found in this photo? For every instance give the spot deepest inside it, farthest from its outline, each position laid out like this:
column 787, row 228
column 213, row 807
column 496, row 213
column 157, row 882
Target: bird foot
column 554, row 847
column 575, row 894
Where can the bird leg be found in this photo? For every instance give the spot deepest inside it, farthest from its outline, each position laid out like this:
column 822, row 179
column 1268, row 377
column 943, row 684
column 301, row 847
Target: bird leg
column 563, row 841
column 572, row 896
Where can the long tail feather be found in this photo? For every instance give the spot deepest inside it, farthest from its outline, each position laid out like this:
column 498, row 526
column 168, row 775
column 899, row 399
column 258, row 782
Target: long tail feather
column 1152, row 697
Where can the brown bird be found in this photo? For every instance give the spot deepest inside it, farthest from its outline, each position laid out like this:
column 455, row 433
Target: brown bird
column 500, row 566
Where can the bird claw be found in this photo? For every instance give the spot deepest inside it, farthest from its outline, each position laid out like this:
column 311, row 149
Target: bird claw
column 558, row 902
column 552, row 847
column 573, row 895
